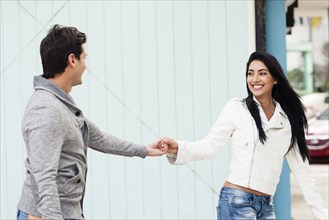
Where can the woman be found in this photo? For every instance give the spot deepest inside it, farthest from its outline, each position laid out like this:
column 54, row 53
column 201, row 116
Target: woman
column 264, row 129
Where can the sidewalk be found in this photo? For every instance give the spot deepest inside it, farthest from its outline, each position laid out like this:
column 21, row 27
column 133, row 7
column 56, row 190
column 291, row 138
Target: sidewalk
column 299, row 209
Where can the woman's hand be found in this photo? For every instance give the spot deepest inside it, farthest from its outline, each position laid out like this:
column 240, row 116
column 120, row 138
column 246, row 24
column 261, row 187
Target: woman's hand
column 171, row 144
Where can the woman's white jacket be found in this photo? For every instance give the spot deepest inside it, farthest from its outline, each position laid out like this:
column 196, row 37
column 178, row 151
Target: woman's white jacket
column 253, row 164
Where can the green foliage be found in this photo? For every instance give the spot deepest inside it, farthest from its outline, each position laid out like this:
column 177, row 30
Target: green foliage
column 296, row 79
column 321, row 72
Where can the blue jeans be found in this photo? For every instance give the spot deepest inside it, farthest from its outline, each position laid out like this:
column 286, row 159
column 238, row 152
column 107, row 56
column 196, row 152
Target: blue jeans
column 238, row 204
column 24, row 216
column 21, row 215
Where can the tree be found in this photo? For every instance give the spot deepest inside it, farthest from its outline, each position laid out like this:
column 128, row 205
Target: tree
column 296, row 79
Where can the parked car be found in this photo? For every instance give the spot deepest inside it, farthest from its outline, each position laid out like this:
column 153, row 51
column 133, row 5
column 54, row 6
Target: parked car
column 317, row 138
column 315, row 103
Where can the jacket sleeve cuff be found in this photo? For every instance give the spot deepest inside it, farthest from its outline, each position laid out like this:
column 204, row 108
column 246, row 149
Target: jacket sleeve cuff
column 171, row 158
column 141, row 152
column 181, row 157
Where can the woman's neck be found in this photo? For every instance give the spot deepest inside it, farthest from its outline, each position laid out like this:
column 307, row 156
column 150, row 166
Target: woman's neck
column 268, row 106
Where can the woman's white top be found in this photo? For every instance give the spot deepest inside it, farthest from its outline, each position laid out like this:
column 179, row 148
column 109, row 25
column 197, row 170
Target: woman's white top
column 254, row 165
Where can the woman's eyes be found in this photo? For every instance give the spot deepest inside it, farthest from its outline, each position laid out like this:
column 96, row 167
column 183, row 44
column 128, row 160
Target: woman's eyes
column 260, row 73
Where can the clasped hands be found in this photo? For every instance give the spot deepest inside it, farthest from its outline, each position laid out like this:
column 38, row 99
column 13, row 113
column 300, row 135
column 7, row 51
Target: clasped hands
column 162, row 146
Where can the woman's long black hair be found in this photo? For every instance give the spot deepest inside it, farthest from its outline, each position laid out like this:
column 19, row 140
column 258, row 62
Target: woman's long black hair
column 289, row 100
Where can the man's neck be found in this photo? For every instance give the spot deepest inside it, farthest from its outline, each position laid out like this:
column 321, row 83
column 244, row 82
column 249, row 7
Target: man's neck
column 62, row 82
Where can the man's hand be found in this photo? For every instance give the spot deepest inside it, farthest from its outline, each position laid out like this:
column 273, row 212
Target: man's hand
column 158, row 148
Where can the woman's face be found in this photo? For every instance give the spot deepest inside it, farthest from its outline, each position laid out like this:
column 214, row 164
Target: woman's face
column 259, row 80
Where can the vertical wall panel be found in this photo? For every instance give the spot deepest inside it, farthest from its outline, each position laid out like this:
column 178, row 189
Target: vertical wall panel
column 167, row 103
column 147, row 35
column 201, row 104
column 3, row 151
column 155, row 68
column 10, row 33
column 11, row 96
column 237, row 32
column 131, row 87
column 184, row 101
column 116, row 113
column 98, row 105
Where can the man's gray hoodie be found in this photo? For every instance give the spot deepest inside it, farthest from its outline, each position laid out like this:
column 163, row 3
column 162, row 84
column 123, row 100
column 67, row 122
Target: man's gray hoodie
column 57, row 135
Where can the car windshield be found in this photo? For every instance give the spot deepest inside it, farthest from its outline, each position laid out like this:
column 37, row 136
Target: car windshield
column 324, row 115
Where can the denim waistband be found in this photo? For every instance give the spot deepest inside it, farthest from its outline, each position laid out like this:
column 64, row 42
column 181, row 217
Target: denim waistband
column 21, row 215
column 238, row 192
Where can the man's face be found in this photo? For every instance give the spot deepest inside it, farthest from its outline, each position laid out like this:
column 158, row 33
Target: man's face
column 80, row 67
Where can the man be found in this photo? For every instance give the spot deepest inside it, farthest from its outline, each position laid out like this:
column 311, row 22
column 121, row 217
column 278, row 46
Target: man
column 57, row 134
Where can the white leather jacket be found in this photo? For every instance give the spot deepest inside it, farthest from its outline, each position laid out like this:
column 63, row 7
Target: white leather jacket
column 253, row 164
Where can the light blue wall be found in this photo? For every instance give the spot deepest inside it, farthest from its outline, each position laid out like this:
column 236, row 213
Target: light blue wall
column 155, row 68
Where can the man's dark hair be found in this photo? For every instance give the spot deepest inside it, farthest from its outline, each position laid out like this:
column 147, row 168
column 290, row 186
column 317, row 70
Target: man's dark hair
column 55, row 48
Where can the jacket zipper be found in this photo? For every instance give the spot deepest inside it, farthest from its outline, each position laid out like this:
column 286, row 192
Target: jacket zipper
column 253, row 152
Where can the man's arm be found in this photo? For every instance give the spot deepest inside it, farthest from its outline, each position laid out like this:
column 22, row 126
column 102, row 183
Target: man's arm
column 108, row 143
column 42, row 130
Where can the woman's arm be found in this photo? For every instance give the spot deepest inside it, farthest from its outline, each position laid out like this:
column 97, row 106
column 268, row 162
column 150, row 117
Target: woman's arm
column 180, row 152
column 302, row 172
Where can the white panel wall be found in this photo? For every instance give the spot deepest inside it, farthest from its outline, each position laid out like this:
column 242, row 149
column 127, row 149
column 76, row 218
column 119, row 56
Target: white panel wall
column 155, row 68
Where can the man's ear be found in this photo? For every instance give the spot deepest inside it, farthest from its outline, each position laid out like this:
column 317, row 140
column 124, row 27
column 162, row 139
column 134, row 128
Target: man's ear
column 70, row 59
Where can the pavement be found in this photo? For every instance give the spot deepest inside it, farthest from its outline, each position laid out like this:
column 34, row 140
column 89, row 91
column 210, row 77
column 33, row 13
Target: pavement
column 299, row 209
